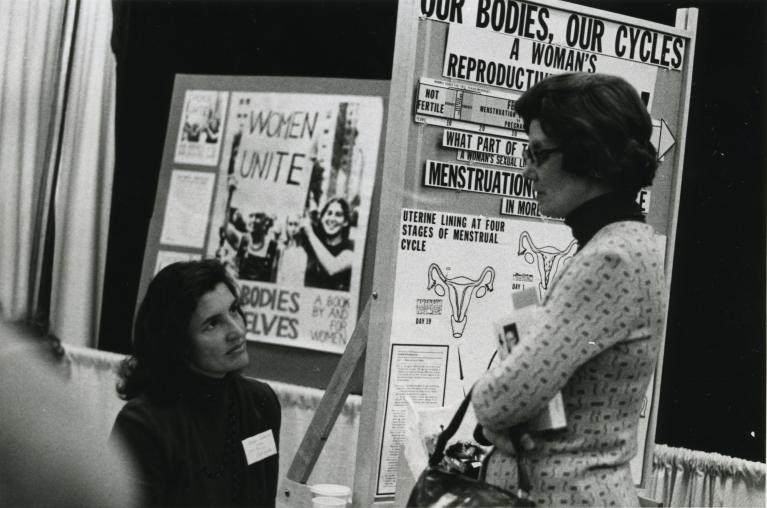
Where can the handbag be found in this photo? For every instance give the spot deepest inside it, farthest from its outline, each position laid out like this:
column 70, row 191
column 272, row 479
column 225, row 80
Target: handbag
column 438, row 487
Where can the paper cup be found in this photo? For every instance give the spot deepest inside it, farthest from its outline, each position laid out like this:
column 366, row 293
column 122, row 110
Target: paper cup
column 325, row 502
column 331, row 490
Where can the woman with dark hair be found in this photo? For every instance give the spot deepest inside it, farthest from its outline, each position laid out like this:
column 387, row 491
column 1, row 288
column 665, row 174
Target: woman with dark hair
column 190, row 414
column 329, row 249
column 598, row 332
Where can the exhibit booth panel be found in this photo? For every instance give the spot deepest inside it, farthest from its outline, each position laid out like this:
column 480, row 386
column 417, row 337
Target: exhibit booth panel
column 461, row 234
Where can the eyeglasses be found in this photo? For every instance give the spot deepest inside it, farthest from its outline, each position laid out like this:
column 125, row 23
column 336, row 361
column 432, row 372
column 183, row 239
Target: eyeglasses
column 539, row 156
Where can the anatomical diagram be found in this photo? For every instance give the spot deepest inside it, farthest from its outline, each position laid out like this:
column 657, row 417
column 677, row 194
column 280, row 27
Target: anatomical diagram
column 460, row 291
column 548, row 259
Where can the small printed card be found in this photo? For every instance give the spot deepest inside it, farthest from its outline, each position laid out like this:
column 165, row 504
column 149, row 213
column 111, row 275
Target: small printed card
column 259, row 446
column 508, row 328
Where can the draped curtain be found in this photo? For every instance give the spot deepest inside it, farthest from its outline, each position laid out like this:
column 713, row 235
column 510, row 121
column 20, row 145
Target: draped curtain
column 32, row 57
column 684, row 477
column 84, row 190
column 56, row 162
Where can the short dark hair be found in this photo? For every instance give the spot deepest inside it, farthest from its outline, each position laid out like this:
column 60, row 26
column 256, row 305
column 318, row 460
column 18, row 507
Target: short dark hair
column 600, row 124
column 161, row 342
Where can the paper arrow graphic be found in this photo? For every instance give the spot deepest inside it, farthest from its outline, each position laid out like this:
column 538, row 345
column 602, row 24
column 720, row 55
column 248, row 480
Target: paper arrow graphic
column 662, row 138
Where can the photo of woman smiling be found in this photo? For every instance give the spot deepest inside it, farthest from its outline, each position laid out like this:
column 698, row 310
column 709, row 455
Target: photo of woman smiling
column 329, row 249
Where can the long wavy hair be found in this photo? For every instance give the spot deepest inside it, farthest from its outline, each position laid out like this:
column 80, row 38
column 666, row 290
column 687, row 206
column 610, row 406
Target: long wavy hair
column 161, row 341
column 346, row 209
column 600, row 124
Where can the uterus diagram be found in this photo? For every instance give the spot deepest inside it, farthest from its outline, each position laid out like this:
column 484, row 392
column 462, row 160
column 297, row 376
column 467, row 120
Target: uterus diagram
column 460, row 291
column 548, row 259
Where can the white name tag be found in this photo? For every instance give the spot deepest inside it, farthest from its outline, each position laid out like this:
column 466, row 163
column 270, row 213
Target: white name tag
column 259, row 446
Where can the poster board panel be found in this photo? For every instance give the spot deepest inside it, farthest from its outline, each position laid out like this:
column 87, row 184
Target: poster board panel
column 455, row 155
column 276, row 177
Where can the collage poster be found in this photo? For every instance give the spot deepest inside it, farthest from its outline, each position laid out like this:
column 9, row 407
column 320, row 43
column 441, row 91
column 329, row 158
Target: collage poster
column 291, row 209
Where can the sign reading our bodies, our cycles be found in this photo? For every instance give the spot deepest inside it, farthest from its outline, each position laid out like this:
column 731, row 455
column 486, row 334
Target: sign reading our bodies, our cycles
column 497, row 49
column 571, row 30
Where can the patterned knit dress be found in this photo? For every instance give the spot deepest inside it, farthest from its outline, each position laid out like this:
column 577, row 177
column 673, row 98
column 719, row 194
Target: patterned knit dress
column 597, row 340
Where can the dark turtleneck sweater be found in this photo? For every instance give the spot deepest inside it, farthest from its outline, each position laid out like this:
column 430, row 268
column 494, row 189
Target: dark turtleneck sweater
column 588, row 218
column 188, row 447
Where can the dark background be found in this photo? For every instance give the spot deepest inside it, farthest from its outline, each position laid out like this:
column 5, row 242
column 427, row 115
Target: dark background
column 713, row 383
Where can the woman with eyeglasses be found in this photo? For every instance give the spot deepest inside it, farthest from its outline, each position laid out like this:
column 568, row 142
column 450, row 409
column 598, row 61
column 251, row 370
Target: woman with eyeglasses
column 599, row 327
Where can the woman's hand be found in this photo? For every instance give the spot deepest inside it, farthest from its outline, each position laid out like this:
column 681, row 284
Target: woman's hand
column 526, row 440
column 506, row 439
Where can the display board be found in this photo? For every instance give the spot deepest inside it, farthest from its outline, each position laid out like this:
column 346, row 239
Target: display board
column 275, row 177
column 461, row 232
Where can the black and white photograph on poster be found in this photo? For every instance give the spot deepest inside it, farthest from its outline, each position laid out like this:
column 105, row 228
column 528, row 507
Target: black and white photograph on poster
column 291, row 211
column 202, row 121
column 510, row 337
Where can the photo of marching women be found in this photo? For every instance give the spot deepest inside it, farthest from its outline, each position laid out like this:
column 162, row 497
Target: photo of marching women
column 199, row 136
column 292, row 257
column 315, row 243
column 293, row 201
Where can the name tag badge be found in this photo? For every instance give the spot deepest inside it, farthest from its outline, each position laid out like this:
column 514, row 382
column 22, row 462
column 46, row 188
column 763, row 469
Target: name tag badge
column 259, row 446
